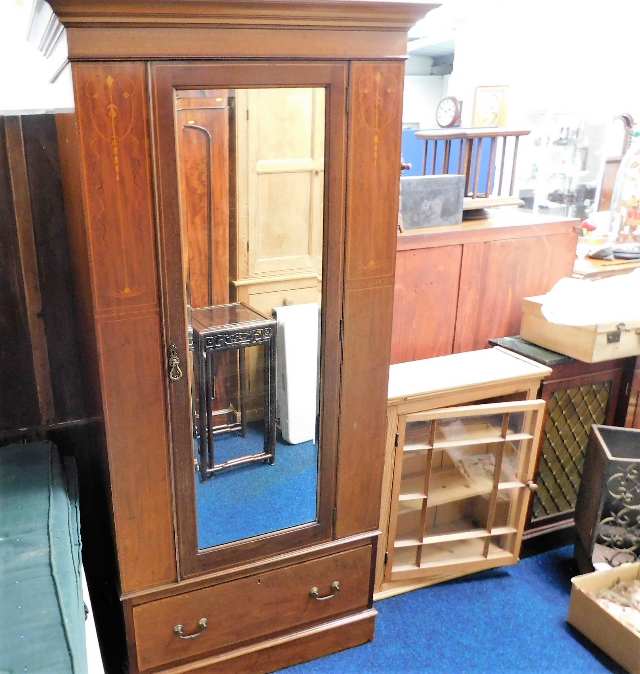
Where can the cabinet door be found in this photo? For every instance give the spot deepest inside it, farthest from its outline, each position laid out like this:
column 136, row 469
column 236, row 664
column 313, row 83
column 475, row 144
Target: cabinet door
column 497, row 275
column 574, row 404
column 428, row 278
column 461, row 487
column 280, row 179
column 241, row 490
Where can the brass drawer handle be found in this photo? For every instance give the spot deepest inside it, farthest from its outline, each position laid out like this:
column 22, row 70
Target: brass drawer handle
column 178, row 630
column 315, row 592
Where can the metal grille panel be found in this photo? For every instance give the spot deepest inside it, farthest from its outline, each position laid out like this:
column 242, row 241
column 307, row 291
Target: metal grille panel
column 570, row 414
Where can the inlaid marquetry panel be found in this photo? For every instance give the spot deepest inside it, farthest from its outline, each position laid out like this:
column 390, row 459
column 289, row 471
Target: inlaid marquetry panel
column 374, row 167
column 372, row 211
column 111, row 108
column 112, row 113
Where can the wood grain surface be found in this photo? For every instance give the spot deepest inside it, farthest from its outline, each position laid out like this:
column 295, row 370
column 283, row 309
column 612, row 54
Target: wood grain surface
column 112, row 113
column 374, row 132
column 425, row 300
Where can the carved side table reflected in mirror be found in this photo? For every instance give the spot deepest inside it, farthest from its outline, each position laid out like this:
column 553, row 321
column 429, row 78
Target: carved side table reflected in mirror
column 217, row 330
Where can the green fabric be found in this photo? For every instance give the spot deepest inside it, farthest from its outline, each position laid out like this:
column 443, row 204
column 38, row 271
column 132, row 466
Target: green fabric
column 41, row 606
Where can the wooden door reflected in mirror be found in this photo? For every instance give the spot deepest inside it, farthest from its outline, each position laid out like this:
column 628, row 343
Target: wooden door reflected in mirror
column 251, row 165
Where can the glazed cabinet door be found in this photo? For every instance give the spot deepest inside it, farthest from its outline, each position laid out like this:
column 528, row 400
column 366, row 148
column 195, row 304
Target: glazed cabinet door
column 250, row 165
column 461, row 487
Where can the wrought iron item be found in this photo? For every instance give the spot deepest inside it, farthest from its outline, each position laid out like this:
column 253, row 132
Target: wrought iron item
column 608, row 507
column 620, row 530
column 315, row 592
column 178, row 630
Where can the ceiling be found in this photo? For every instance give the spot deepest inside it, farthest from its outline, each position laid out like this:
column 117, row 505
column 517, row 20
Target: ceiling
column 431, row 46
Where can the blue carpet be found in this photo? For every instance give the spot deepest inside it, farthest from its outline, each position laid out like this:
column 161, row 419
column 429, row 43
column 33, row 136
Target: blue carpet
column 504, row 620
column 256, row 499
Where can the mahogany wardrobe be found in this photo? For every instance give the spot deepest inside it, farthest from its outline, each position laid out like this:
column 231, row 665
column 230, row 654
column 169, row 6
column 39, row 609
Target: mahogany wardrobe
column 231, row 172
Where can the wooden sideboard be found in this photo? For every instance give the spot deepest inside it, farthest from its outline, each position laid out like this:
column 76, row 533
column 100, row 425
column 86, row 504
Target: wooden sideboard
column 459, row 286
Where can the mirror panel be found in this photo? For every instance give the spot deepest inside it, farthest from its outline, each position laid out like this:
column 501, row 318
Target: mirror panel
column 251, row 177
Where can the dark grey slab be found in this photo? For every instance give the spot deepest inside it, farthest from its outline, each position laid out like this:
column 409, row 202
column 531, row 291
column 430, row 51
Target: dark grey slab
column 431, row 201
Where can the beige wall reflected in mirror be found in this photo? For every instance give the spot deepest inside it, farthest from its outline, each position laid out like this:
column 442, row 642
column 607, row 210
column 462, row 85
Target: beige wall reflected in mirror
column 251, row 168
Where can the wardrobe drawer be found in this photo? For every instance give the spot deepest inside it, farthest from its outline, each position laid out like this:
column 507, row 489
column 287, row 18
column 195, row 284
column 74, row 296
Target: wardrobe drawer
column 240, row 610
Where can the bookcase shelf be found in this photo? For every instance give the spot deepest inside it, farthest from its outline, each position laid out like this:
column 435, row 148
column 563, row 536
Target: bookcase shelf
column 447, row 486
column 463, row 551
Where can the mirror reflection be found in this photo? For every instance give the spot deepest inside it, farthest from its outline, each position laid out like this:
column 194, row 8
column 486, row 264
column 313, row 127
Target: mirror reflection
column 251, row 175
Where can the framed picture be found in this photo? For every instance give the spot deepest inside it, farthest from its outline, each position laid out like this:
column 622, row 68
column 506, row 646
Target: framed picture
column 490, row 106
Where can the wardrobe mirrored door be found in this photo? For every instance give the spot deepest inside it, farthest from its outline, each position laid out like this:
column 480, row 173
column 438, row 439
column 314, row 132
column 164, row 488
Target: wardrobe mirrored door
column 251, row 170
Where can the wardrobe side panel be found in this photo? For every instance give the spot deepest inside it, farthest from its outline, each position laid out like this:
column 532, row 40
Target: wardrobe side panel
column 113, row 120
column 374, row 132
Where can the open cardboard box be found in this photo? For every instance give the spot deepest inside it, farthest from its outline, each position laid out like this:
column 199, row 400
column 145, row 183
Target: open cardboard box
column 616, row 639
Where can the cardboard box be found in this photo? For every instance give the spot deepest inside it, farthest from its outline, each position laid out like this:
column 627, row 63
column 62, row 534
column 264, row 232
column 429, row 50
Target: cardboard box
column 590, row 343
column 617, row 640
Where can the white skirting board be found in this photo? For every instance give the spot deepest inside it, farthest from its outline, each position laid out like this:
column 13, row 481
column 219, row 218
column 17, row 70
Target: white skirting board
column 297, row 342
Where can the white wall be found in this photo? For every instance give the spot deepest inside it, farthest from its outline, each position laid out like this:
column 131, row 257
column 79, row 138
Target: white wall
column 24, row 71
column 569, row 64
column 421, row 96
column 573, row 56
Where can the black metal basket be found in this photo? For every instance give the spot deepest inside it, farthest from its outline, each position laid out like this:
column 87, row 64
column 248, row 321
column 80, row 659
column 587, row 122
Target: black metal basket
column 608, row 506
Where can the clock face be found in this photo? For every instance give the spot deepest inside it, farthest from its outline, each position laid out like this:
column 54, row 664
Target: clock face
column 448, row 112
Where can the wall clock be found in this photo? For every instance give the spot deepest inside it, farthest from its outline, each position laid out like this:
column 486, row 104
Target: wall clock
column 449, row 112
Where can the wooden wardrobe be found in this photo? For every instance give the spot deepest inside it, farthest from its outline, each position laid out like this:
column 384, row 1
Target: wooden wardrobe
column 252, row 603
